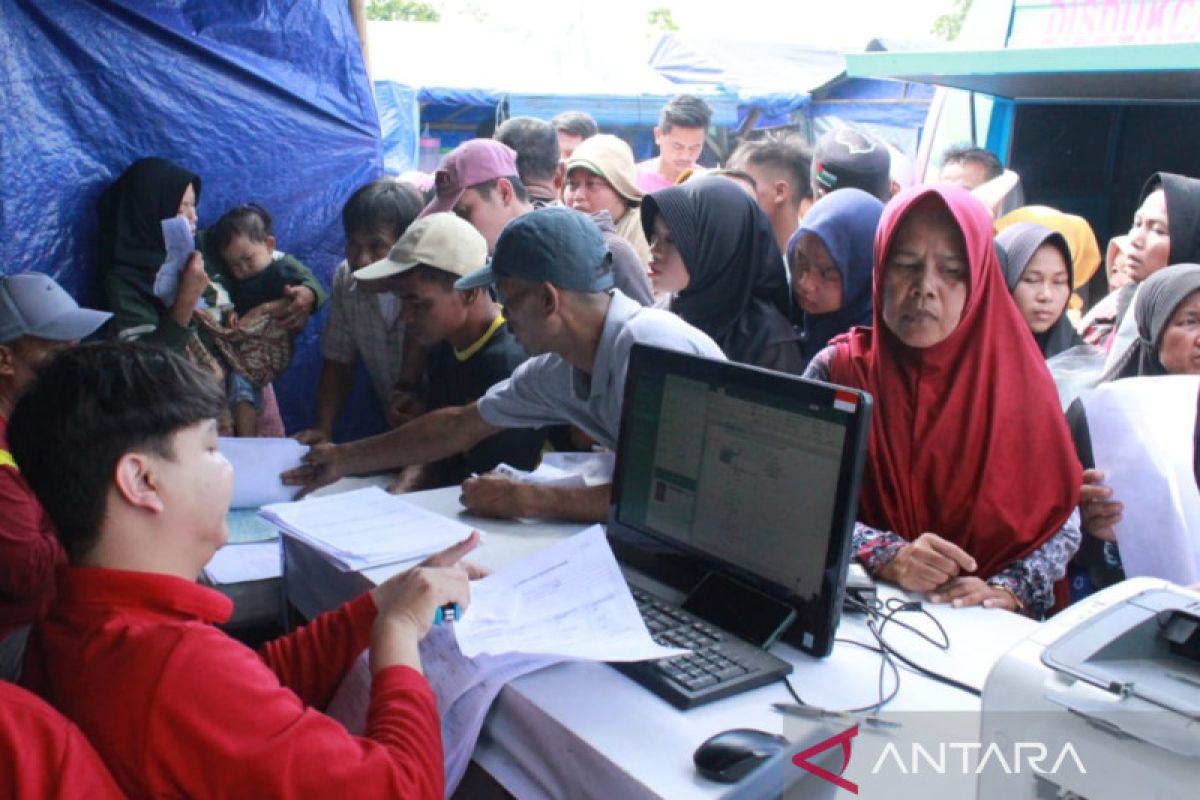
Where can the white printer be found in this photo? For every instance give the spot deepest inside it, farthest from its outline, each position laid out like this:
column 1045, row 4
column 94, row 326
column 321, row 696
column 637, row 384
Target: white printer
column 1103, row 701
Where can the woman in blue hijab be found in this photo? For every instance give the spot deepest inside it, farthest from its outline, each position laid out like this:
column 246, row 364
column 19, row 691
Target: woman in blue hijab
column 830, row 257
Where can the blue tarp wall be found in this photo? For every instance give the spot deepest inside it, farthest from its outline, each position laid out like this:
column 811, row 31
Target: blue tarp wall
column 783, row 84
column 267, row 100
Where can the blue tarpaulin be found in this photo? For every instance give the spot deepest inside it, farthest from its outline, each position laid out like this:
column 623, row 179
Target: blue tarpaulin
column 267, row 100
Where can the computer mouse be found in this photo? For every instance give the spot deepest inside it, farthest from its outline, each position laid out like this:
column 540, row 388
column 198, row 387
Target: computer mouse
column 730, row 755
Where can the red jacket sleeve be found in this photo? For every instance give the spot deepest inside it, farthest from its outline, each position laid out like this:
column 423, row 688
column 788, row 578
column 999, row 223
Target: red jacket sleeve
column 222, row 726
column 29, row 551
column 311, row 661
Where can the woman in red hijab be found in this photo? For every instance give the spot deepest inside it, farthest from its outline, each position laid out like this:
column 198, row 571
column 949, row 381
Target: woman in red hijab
column 971, row 479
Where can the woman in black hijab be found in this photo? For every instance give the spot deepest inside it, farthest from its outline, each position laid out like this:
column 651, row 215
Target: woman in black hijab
column 1037, row 269
column 714, row 248
column 1165, row 231
column 131, row 250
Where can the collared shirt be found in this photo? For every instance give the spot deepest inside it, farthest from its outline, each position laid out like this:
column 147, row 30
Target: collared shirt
column 29, row 548
column 176, row 708
column 357, row 327
column 546, row 390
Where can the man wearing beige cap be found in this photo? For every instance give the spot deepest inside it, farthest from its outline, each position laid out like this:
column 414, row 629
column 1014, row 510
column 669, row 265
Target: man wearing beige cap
column 37, row 319
column 470, row 347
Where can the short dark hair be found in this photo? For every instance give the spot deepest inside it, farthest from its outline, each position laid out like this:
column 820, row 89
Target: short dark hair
column 536, row 143
column 685, row 111
column 965, row 154
column 785, row 152
column 486, row 188
column 383, row 202
column 427, row 273
column 737, row 175
column 250, row 220
column 92, row 404
column 576, row 123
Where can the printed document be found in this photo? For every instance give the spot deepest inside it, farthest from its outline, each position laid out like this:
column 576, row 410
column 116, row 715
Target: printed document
column 1142, row 438
column 569, row 600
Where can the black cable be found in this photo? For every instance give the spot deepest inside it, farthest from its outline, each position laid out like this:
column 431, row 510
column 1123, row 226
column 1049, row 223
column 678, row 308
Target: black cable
column 896, row 605
column 873, row 707
column 937, row 676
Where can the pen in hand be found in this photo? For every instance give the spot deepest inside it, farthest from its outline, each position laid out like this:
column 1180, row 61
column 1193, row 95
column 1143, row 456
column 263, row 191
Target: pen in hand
column 450, row 612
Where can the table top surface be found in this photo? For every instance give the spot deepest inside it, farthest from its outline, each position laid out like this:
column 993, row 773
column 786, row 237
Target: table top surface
column 615, row 719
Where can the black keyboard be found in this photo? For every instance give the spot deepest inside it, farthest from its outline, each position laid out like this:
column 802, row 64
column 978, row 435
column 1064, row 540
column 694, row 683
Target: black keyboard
column 719, row 665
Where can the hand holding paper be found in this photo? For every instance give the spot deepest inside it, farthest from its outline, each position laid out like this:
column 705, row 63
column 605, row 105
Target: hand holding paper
column 177, row 235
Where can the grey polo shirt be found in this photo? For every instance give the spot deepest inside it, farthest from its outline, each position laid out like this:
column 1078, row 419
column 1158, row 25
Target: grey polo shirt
column 546, row 390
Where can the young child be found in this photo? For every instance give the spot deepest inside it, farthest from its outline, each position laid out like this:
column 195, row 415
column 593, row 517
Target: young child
column 130, row 651
column 244, row 241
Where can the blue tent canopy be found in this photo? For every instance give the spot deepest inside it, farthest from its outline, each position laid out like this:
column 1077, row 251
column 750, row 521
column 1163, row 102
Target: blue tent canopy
column 267, row 101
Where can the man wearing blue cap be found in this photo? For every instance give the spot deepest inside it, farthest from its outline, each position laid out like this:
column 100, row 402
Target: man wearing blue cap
column 37, row 319
column 554, row 275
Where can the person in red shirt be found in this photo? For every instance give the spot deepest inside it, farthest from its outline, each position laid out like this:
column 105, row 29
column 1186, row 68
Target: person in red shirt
column 37, row 319
column 43, row 756
column 128, row 650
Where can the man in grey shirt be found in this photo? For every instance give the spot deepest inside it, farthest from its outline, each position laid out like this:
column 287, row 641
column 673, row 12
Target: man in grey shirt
column 554, row 275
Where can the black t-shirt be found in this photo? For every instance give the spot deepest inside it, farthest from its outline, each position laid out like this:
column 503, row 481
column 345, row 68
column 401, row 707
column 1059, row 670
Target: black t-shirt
column 454, row 381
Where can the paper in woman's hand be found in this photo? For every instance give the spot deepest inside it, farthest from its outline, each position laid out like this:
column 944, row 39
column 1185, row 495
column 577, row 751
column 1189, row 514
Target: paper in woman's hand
column 177, row 234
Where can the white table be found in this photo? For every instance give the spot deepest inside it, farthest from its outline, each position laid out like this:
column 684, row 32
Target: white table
column 585, row 730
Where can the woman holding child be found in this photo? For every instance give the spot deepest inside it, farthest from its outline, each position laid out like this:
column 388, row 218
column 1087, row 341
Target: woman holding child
column 131, row 249
column 952, row 504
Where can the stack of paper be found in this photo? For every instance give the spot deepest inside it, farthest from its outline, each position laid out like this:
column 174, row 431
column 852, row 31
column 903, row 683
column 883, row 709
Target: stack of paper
column 366, row 528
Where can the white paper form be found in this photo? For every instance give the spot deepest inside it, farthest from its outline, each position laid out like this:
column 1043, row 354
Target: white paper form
column 235, row 563
column 465, row 689
column 569, row 600
column 257, row 464
column 572, row 470
column 1142, row 440
column 178, row 238
column 365, row 528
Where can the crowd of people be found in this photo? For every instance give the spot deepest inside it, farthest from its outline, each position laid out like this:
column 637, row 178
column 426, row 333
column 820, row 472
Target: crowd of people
column 494, row 310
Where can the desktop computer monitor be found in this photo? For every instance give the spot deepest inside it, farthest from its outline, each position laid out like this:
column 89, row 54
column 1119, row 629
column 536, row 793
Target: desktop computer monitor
column 740, row 471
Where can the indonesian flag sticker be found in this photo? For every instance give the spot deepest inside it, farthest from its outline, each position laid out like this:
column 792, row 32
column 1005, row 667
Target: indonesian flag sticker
column 845, row 401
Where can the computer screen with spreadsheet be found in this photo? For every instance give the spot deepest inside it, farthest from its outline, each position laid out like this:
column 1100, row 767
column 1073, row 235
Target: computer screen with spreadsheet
column 743, row 469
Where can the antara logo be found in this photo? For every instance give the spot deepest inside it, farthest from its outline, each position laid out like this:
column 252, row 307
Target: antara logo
column 1033, row 754
column 972, row 759
column 801, row 759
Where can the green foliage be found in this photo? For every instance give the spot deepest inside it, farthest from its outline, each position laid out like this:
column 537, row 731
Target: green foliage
column 404, row 10
column 660, row 20
column 948, row 26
